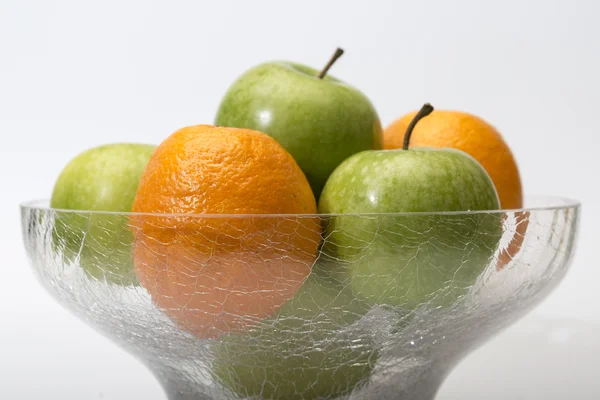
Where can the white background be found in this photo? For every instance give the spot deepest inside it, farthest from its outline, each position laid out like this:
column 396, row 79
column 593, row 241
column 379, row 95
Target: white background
column 76, row 74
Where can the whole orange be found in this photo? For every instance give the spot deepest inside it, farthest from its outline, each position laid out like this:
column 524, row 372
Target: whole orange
column 471, row 134
column 233, row 248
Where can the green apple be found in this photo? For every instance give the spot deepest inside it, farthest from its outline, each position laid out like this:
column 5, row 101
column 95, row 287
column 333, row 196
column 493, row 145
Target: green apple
column 303, row 352
column 409, row 247
column 317, row 118
column 104, row 179
column 322, row 301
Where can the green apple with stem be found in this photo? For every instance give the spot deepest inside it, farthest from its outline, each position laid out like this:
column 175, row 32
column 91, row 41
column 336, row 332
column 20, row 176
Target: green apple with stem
column 304, row 352
column 317, row 118
column 90, row 195
column 416, row 246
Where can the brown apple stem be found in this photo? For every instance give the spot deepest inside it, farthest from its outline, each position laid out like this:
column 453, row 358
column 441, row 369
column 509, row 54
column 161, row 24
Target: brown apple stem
column 423, row 112
column 338, row 53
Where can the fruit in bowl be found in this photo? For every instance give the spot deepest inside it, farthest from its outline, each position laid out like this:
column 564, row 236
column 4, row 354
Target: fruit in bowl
column 388, row 260
column 481, row 140
column 410, row 364
column 226, row 239
column 317, row 118
column 103, row 178
column 206, row 264
column 303, row 352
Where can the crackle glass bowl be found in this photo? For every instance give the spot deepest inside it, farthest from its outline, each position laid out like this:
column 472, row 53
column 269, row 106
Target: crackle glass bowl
column 372, row 306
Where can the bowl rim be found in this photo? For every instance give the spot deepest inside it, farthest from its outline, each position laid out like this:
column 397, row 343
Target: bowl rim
column 553, row 203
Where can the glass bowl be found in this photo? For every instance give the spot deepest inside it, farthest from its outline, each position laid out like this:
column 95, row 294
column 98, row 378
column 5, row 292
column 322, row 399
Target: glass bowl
column 353, row 306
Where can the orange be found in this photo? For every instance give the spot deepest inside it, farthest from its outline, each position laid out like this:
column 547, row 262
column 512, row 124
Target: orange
column 476, row 137
column 470, row 134
column 223, row 260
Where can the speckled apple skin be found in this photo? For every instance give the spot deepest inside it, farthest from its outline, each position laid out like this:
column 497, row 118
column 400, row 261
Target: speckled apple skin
column 409, row 260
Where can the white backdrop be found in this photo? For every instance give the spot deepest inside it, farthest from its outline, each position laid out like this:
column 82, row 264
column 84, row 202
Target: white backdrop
column 77, row 74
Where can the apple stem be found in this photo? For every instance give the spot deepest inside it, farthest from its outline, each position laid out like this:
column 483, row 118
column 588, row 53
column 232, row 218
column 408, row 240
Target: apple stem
column 338, row 53
column 423, row 112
